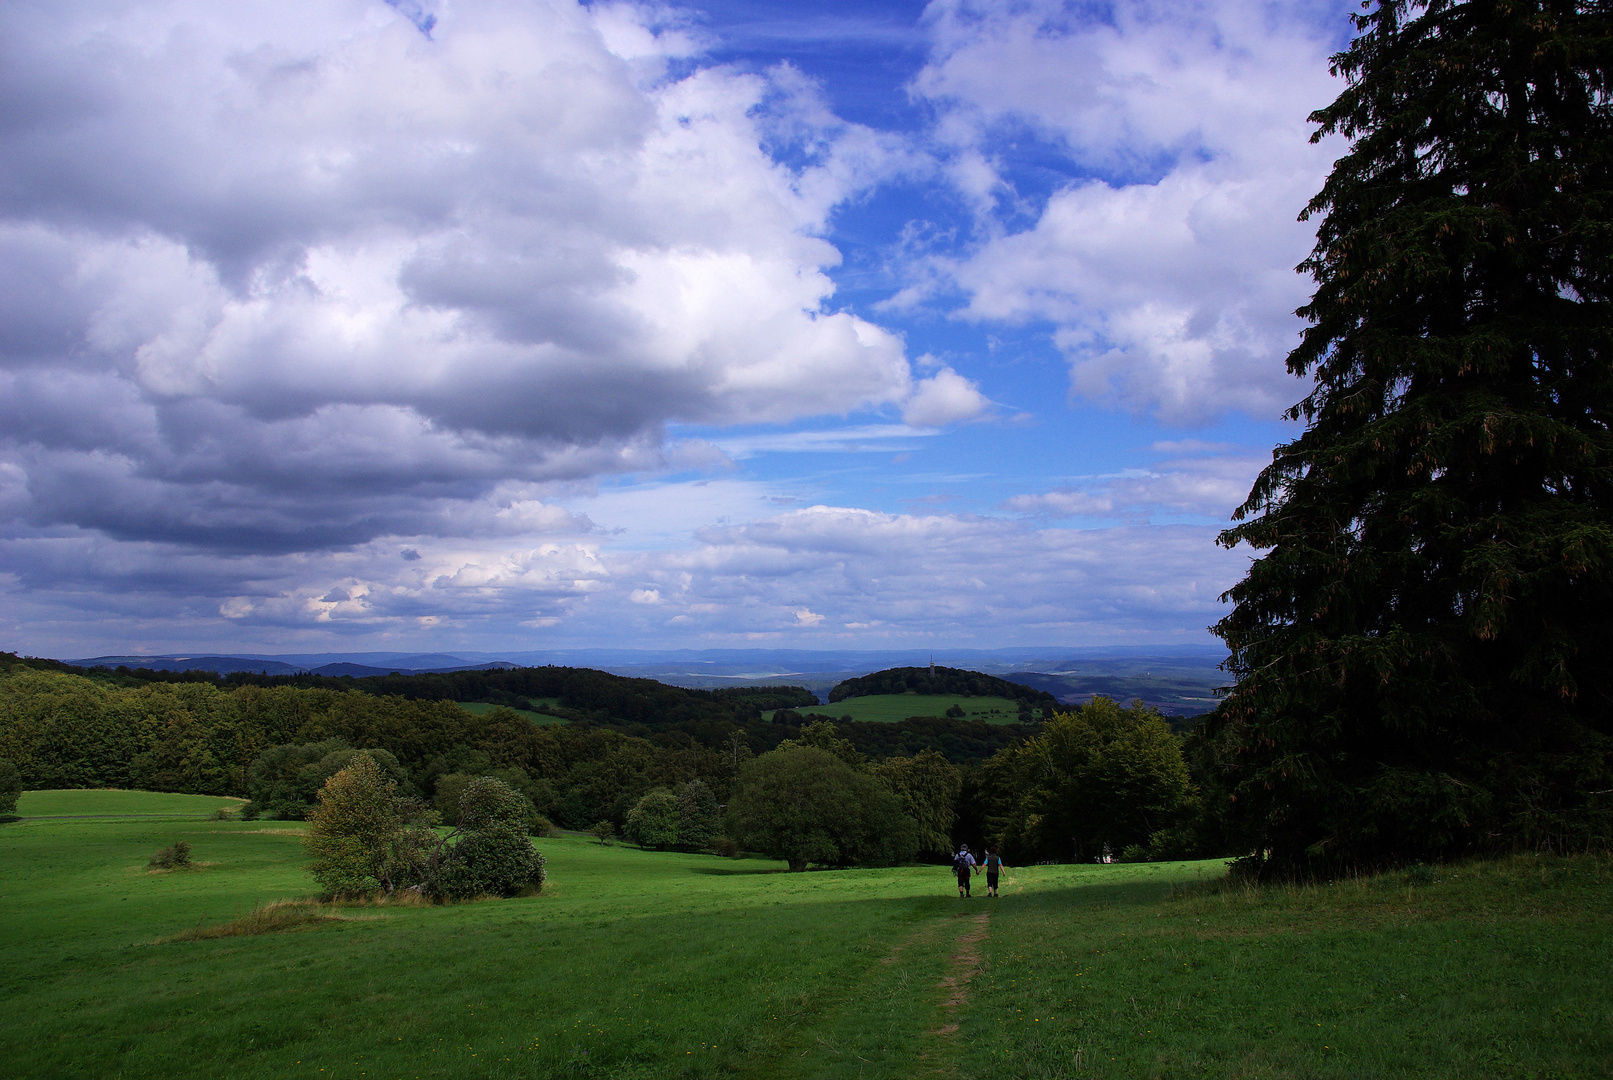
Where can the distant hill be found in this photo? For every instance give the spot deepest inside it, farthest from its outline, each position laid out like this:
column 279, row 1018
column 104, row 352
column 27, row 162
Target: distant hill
column 441, row 663
column 220, row 665
column 939, row 680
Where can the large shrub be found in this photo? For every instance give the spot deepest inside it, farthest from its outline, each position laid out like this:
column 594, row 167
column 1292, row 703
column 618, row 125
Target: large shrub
column 362, row 839
column 492, row 856
column 653, row 821
column 805, row 805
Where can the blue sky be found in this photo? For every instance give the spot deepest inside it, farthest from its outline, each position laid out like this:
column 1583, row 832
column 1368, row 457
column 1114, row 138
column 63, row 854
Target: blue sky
column 957, row 324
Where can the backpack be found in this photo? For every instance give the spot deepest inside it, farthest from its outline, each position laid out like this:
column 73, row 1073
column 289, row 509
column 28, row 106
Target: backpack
column 960, row 863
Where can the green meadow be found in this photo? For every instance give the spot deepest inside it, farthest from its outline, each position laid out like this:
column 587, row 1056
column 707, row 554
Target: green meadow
column 482, row 708
column 116, row 803
column 892, row 707
column 639, row 964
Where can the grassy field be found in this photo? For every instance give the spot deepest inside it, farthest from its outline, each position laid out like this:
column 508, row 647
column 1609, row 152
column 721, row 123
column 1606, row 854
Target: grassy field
column 481, row 708
column 121, row 804
column 891, row 707
column 640, row 965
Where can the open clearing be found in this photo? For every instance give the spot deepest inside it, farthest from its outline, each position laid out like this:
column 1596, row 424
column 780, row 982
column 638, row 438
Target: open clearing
column 482, row 708
column 637, row 964
column 121, row 803
column 891, row 707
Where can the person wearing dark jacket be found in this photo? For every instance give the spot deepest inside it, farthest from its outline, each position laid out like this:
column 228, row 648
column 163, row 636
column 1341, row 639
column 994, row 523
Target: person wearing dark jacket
column 963, row 864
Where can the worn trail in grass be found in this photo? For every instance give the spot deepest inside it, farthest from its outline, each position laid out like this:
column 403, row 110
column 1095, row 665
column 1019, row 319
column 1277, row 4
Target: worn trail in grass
column 631, row 964
column 644, row 965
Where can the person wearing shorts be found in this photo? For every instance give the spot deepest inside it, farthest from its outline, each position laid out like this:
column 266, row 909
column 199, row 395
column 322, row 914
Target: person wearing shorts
column 994, row 865
column 963, row 864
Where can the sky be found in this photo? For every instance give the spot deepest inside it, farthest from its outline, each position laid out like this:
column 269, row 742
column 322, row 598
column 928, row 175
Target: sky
column 529, row 324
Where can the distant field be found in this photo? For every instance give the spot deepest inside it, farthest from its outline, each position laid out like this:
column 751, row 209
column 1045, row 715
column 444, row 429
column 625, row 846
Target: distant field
column 645, row 966
column 1176, row 686
column 891, row 707
column 84, row 803
column 482, row 708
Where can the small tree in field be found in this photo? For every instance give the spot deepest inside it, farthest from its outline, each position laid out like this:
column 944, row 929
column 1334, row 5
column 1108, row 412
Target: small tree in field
column 351, row 832
column 363, row 840
column 805, row 805
column 493, row 856
column 653, row 821
column 604, row 833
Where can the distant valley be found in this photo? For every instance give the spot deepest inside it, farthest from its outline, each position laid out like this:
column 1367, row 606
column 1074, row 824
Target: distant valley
column 1179, row 681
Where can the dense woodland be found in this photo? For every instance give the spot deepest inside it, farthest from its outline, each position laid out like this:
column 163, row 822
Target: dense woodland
column 277, row 740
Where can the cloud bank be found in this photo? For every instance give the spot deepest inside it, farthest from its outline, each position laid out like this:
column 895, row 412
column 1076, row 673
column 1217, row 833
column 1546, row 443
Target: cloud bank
column 386, row 322
column 286, row 280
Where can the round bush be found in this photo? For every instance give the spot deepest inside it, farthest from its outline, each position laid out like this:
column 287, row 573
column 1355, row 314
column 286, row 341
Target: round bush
column 490, row 862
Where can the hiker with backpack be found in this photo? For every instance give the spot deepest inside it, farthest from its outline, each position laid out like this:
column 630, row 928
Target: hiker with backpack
column 963, row 864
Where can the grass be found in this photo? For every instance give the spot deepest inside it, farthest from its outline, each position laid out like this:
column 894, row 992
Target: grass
column 642, row 965
column 271, row 918
column 892, row 707
column 1493, row 969
column 114, row 803
column 482, row 708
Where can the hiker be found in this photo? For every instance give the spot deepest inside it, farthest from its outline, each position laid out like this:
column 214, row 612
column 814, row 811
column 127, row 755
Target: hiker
column 963, row 864
column 994, row 865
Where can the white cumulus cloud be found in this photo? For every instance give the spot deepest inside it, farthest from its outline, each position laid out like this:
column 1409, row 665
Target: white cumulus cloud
column 1165, row 265
column 303, row 277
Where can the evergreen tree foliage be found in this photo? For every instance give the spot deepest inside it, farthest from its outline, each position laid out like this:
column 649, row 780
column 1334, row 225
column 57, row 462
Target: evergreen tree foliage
column 1423, row 653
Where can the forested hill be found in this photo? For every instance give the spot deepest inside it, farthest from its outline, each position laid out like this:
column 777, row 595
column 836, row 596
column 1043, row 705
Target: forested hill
column 940, row 680
column 572, row 693
column 160, row 731
column 590, row 694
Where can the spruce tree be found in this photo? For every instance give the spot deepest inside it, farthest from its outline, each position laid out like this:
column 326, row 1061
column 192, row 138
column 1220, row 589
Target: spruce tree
column 1423, row 649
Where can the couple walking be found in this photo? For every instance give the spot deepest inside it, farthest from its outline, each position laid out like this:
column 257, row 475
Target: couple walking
column 964, row 865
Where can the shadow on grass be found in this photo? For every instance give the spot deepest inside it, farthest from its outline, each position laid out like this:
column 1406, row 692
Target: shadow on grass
column 731, row 871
